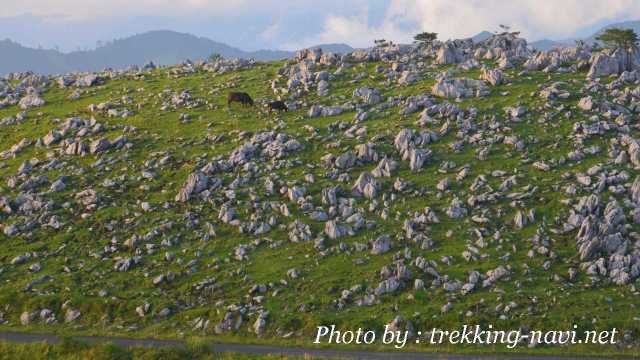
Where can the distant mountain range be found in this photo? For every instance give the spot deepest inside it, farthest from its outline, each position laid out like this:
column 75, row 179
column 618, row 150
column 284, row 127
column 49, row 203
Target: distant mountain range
column 482, row 36
column 165, row 47
column 162, row 47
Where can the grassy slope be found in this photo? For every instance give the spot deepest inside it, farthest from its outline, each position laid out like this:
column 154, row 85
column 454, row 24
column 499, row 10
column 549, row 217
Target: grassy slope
column 73, row 350
column 560, row 304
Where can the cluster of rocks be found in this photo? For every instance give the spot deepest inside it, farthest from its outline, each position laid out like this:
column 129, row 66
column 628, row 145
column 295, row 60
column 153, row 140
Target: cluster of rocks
column 304, row 72
column 26, row 93
column 222, row 65
column 80, row 80
column 460, row 88
column 605, row 245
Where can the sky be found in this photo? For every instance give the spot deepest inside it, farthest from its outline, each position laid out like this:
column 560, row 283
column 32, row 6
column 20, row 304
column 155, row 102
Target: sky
column 293, row 24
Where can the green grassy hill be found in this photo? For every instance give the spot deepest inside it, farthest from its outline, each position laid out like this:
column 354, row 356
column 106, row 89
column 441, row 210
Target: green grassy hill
column 93, row 231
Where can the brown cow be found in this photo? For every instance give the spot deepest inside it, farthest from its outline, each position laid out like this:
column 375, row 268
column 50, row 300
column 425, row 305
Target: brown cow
column 241, row 97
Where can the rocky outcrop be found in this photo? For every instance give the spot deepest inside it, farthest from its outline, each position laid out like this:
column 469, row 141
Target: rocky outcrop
column 449, row 54
column 610, row 62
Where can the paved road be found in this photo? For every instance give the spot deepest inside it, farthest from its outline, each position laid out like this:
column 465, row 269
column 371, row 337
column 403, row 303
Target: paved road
column 277, row 350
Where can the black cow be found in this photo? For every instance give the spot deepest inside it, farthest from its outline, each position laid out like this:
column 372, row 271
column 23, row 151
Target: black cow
column 278, row 106
column 241, row 97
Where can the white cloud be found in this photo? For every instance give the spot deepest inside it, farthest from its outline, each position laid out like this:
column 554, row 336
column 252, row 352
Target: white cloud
column 535, row 19
column 356, row 22
column 271, row 32
column 355, row 30
column 91, row 9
